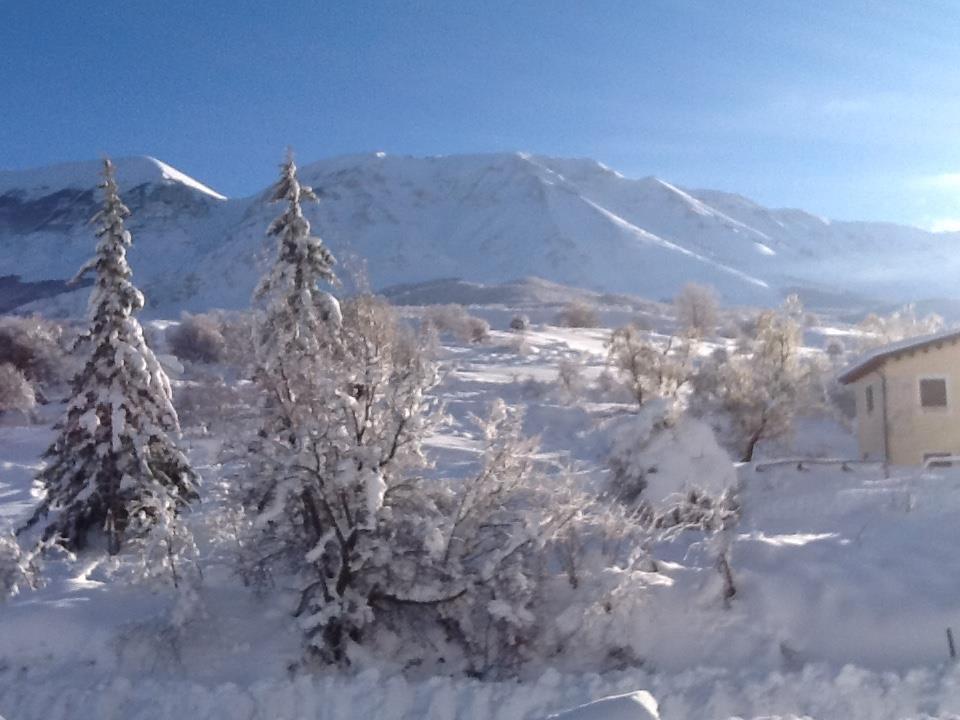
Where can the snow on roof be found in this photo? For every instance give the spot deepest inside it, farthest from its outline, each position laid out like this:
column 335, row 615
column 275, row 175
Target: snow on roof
column 873, row 359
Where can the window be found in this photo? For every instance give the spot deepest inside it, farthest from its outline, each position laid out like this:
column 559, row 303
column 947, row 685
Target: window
column 869, row 398
column 933, row 393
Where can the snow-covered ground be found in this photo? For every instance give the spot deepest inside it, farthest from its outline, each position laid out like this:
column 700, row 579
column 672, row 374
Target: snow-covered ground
column 845, row 579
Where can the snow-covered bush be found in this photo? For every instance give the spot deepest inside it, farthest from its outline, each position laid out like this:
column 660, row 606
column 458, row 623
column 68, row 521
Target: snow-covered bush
column 668, row 469
column 697, row 509
column 660, row 453
column 729, row 329
column 570, row 378
column 755, row 394
column 16, row 392
column 541, row 563
column 696, row 309
column 577, row 314
column 236, row 329
column 113, row 465
column 455, row 320
column 520, row 323
column 19, row 568
column 197, row 339
column 651, row 369
column 835, row 351
column 478, row 329
column 33, row 346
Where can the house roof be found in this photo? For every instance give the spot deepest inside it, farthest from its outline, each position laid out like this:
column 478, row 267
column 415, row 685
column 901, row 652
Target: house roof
column 875, row 358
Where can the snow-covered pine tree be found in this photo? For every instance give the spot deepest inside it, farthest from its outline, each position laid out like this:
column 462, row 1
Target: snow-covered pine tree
column 114, row 465
column 291, row 307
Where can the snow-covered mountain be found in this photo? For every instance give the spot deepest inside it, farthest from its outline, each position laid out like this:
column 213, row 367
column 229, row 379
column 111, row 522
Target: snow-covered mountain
column 483, row 218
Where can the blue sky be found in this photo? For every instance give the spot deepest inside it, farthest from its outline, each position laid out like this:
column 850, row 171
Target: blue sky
column 847, row 109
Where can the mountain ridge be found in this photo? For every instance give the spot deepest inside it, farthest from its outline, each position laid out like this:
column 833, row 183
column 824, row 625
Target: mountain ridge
column 482, row 217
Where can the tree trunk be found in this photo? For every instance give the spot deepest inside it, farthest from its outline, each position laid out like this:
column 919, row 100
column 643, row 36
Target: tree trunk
column 751, row 446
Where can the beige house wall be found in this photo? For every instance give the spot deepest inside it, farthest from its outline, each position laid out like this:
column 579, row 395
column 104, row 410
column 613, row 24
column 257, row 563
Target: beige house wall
column 912, row 431
column 870, row 425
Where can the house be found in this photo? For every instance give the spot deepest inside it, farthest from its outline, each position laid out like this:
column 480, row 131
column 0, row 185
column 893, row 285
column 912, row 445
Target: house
column 908, row 399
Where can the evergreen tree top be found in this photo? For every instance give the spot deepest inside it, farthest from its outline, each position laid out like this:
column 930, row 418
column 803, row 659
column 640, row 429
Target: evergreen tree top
column 288, row 295
column 114, row 294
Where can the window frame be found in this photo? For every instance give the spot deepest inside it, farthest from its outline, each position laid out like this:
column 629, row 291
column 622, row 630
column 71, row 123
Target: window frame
column 869, row 401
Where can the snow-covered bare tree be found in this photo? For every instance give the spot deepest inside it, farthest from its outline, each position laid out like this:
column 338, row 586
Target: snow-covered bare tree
column 696, row 309
column 16, row 392
column 879, row 330
column 648, row 368
column 114, row 468
column 33, row 346
column 332, row 492
column 491, row 546
column 758, row 391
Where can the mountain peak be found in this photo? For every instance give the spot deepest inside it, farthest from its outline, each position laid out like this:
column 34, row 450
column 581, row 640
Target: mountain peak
column 131, row 172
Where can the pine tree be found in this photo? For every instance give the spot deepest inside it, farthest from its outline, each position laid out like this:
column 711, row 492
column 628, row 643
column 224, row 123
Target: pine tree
column 113, row 466
column 288, row 298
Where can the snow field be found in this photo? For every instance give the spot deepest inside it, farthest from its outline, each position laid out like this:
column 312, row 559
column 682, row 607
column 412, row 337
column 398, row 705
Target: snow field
column 845, row 587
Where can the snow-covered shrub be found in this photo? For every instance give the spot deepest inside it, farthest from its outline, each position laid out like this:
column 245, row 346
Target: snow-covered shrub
column 478, row 329
column 835, row 351
column 455, row 320
column 197, row 339
column 660, row 453
column 668, row 469
column 19, row 568
column 879, row 330
column 756, row 393
column 165, row 554
column 114, row 456
column 729, row 329
column 577, row 314
column 651, row 369
column 33, row 346
column 697, row 509
column 696, row 309
column 542, row 563
column 236, row 328
column 570, row 378
column 16, row 392
column 714, row 515
column 520, row 323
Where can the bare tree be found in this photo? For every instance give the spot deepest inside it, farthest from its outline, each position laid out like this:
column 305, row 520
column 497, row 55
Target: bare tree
column 696, row 308
column 759, row 390
column 904, row 323
column 649, row 368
